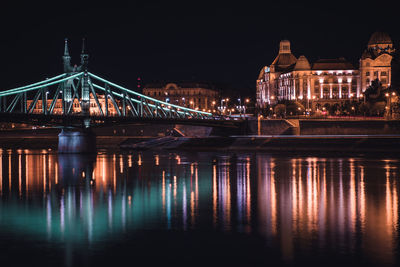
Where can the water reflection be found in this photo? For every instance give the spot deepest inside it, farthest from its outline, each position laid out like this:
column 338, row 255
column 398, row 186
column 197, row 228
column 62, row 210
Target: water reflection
column 299, row 205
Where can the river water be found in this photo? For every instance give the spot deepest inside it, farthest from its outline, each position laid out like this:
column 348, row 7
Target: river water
column 197, row 209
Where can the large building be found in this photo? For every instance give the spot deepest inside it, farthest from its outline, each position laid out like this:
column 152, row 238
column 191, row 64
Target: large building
column 200, row 96
column 376, row 61
column 326, row 81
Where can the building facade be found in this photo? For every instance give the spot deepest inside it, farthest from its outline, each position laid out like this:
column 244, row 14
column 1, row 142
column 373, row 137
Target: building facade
column 198, row 96
column 76, row 106
column 326, row 81
column 376, row 60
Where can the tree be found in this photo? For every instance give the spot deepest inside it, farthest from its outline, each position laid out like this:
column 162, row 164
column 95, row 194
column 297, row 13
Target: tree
column 364, row 109
column 373, row 93
column 280, row 110
column 378, row 108
column 294, row 107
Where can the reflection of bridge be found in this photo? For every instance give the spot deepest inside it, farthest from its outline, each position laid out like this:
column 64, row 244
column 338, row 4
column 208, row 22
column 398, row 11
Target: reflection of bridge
column 78, row 98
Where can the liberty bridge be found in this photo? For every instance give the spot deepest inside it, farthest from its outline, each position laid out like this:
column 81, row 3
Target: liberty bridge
column 78, row 100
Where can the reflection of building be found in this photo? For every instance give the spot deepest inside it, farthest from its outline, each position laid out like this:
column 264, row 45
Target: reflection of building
column 331, row 81
column 329, row 202
column 199, row 96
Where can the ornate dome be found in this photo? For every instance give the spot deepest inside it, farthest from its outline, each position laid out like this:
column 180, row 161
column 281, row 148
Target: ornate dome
column 302, row 64
column 380, row 38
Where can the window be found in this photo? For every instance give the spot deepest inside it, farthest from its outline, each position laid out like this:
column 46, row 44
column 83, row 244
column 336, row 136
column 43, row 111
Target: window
column 335, row 92
column 375, row 73
column 367, row 81
column 367, row 73
column 383, row 80
column 383, row 73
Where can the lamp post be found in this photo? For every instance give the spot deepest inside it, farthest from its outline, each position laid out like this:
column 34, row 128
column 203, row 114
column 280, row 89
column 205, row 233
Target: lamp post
column 388, row 107
column 245, row 105
column 221, row 107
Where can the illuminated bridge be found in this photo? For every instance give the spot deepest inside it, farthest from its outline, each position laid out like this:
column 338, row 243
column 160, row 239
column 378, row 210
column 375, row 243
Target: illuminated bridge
column 78, row 98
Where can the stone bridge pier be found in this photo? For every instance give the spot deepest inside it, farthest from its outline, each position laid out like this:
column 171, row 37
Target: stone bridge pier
column 75, row 140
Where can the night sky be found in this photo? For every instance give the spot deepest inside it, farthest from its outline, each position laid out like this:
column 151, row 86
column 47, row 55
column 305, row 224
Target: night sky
column 224, row 43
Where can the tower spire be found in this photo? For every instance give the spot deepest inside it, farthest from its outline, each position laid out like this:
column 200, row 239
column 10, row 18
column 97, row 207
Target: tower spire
column 66, row 53
column 84, row 57
column 66, row 58
column 83, row 46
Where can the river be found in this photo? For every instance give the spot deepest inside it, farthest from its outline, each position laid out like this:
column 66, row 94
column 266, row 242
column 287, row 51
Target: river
column 197, row 209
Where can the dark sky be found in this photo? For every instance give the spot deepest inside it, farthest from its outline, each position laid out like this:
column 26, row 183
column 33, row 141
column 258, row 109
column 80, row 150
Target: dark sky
column 220, row 42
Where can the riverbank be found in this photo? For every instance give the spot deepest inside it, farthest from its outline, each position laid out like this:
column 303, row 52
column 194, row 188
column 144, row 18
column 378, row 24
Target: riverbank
column 125, row 139
column 326, row 143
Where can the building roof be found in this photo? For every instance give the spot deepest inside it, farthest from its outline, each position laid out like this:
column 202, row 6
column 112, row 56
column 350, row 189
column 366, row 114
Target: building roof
column 188, row 85
column 284, row 60
column 302, row 64
column 380, row 38
column 332, row 64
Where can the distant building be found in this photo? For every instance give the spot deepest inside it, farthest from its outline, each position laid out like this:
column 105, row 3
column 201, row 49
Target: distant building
column 76, row 107
column 326, row 81
column 200, row 96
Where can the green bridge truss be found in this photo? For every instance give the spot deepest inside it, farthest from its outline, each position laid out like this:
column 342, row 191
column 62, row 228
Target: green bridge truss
column 77, row 86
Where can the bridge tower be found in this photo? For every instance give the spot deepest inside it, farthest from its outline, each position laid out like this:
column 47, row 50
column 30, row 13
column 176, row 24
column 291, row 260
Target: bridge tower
column 76, row 140
column 85, row 94
column 66, row 87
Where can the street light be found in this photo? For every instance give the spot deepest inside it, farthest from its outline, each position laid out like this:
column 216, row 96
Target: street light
column 390, row 104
